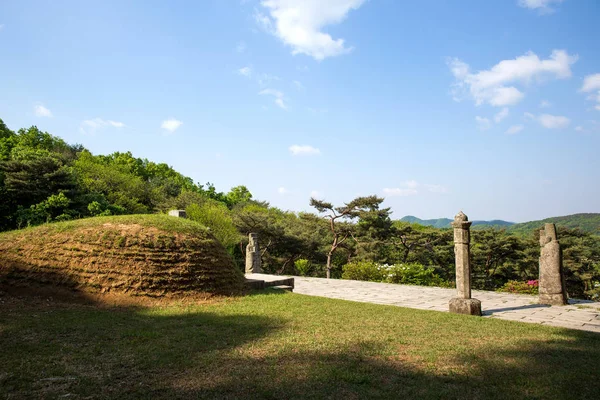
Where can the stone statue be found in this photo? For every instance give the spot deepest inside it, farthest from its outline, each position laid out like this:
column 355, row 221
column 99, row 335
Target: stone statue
column 551, row 284
column 253, row 255
column 463, row 303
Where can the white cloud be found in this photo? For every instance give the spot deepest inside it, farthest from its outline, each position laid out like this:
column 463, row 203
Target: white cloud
column 411, row 188
column 591, row 83
column 543, row 6
column 299, row 24
column 588, row 126
column 298, row 86
column 545, row 104
column 240, row 47
column 315, row 194
column 501, row 115
column 282, row 191
column 412, row 184
column 299, row 150
column 171, row 124
column 483, row 124
column 263, row 21
column 266, row 79
column 245, row 71
column 513, row 130
column 90, row 126
column 41, row 111
column 279, row 100
column 436, row 188
column 402, row 192
column 280, row 103
column 493, row 86
column 553, row 121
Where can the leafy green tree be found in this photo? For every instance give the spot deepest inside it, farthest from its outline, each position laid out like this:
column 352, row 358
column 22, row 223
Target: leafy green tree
column 425, row 245
column 115, row 183
column 217, row 217
column 54, row 208
column 8, row 140
column 238, row 195
column 182, row 201
column 373, row 232
column 581, row 261
column 493, row 253
column 348, row 211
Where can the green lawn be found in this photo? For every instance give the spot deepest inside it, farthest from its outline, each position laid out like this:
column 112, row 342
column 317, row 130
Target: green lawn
column 280, row 346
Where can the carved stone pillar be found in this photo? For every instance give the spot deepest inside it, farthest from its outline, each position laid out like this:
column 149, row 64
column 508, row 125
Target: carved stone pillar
column 463, row 303
column 551, row 284
column 253, row 255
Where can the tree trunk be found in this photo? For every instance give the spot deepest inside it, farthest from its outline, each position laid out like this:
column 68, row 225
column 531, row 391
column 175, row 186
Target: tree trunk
column 328, row 265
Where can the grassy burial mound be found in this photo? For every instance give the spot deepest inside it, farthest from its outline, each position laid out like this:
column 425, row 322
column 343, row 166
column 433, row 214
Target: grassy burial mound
column 148, row 255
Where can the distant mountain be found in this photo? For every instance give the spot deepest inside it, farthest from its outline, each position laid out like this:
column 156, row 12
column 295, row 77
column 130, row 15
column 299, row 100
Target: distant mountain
column 436, row 223
column 445, row 222
column 589, row 222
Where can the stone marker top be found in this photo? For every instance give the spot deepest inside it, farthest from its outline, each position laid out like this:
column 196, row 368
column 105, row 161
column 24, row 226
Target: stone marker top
column 461, row 216
column 461, row 221
column 178, row 213
column 548, row 234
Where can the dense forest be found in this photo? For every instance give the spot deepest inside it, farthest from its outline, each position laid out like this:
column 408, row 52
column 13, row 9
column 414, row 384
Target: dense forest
column 44, row 179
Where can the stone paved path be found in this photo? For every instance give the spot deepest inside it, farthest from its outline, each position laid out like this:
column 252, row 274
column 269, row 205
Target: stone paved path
column 579, row 314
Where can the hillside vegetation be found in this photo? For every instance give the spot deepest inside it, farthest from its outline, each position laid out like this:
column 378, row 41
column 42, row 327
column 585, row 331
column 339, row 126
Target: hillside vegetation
column 589, row 222
column 151, row 255
column 444, row 223
column 43, row 180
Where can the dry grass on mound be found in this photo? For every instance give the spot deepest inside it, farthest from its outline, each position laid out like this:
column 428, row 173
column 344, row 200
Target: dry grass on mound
column 147, row 255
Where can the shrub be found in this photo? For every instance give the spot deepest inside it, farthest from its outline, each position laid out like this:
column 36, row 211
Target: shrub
column 413, row 274
column 408, row 274
column 303, row 267
column 217, row 217
column 364, row 271
column 529, row 287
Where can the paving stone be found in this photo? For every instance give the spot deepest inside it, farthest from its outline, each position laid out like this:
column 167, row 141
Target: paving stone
column 580, row 314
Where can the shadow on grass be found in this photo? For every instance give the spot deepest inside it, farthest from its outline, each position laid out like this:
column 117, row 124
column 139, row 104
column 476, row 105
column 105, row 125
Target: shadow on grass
column 122, row 352
column 82, row 351
column 532, row 372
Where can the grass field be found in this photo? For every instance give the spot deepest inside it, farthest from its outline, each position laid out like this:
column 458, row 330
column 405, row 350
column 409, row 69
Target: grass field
column 279, row 346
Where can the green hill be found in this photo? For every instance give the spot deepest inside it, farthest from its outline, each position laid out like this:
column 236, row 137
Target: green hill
column 150, row 255
column 436, row 223
column 589, row 222
column 445, row 222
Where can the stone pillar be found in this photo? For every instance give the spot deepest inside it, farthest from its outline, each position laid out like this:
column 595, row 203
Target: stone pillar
column 178, row 213
column 463, row 303
column 551, row 284
column 253, row 255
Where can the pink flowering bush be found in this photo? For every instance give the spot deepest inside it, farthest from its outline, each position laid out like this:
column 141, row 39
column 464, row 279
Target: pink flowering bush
column 529, row 287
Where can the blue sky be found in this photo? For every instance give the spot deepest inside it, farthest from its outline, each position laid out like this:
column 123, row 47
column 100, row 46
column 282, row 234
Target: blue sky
column 491, row 107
